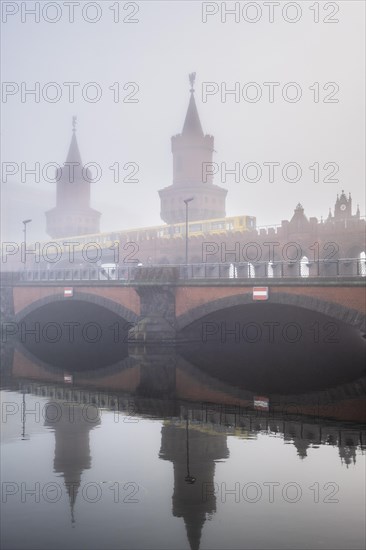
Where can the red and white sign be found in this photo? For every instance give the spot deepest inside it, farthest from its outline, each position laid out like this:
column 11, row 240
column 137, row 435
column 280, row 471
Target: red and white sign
column 68, row 292
column 260, row 293
column 261, row 403
column 68, row 378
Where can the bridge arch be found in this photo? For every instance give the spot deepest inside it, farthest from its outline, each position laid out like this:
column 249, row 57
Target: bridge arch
column 120, row 310
column 351, row 317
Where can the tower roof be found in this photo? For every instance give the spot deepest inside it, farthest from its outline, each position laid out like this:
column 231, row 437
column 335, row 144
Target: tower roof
column 74, row 154
column 299, row 220
column 192, row 124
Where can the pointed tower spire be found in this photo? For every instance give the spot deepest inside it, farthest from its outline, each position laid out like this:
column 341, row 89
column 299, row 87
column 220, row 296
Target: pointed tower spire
column 74, row 153
column 192, row 151
column 192, row 124
column 72, row 214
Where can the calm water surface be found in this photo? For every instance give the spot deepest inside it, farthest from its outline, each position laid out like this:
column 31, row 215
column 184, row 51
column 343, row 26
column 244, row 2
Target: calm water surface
column 159, row 452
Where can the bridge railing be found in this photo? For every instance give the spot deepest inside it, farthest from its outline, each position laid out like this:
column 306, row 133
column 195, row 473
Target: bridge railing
column 332, row 268
column 344, row 267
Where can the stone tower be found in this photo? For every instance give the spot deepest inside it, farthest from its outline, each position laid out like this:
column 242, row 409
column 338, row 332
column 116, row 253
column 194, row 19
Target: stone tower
column 73, row 215
column 343, row 210
column 191, row 150
column 343, row 207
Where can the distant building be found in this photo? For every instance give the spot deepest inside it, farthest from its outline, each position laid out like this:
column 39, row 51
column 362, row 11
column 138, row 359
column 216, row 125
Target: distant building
column 73, row 215
column 343, row 209
column 192, row 152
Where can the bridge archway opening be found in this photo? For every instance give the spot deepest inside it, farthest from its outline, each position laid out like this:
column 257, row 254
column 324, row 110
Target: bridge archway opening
column 274, row 348
column 76, row 335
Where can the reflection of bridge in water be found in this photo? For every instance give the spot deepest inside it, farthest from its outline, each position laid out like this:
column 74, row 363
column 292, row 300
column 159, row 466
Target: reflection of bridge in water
column 198, row 413
column 193, row 438
column 163, row 374
column 285, row 420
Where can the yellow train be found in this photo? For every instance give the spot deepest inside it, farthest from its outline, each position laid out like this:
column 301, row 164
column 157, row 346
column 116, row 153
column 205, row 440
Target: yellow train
column 196, row 228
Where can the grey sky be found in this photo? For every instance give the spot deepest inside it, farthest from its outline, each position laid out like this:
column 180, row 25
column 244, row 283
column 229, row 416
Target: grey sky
column 169, row 41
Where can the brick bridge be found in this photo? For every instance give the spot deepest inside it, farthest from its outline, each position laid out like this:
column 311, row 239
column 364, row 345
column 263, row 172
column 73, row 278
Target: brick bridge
column 159, row 303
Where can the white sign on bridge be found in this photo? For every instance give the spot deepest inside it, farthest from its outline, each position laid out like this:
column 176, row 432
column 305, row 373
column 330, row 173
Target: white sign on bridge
column 260, row 293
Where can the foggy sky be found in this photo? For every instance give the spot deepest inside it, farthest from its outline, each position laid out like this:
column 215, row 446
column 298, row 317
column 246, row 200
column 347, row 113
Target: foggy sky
column 169, row 41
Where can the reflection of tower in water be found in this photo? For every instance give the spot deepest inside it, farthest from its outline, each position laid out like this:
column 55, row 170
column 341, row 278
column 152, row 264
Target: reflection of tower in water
column 195, row 460
column 347, row 451
column 71, row 424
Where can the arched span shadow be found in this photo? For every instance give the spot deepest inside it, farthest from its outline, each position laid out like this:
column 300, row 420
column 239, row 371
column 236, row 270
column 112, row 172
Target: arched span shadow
column 348, row 316
column 79, row 333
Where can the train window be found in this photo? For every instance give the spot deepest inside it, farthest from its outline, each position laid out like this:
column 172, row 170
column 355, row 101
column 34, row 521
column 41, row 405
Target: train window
column 229, row 226
column 218, row 225
column 195, row 227
column 241, row 221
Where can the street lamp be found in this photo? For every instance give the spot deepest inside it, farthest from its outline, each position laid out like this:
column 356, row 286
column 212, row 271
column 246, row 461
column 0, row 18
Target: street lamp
column 186, row 203
column 25, row 436
column 189, row 478
column 25, row 222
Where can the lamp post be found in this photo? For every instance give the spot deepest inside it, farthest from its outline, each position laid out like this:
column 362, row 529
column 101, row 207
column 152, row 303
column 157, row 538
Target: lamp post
column 25, row 222
column 24, row 436
column 189, row 478
column 186, row 203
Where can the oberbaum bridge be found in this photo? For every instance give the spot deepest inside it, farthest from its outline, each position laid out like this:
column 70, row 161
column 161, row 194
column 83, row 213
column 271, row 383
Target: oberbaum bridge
column 200, row 262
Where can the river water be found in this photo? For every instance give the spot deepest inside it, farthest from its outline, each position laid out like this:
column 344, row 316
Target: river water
column 176, row 449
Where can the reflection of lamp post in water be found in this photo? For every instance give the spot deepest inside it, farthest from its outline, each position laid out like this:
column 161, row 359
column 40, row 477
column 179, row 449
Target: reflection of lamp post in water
column 188, row 479
column 25, row 436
